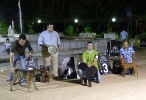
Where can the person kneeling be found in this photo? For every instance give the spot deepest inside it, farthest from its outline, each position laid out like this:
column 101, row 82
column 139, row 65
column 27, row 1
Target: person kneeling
column 90, row 57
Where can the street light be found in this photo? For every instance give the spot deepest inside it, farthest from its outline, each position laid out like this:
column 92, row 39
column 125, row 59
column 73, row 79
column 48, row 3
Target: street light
column 113, row 19
column 76, row 20
column 39, row 21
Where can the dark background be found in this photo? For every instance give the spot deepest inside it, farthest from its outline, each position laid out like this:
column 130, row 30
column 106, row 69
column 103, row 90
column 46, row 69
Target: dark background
column 94, row 13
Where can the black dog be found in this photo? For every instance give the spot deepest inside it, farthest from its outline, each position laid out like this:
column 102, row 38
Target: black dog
column 88, row 73
column 117, row 66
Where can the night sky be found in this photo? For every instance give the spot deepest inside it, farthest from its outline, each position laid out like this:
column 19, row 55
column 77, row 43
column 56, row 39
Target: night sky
column 65, row 11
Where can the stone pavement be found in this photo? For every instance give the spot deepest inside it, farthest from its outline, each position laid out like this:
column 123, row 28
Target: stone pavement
column 112, row 87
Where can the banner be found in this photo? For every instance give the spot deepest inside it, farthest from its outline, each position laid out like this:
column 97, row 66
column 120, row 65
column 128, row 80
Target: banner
column 63, row 61
column 129, row 15
column 67, row 64
column 115, row 48
column 103, row 62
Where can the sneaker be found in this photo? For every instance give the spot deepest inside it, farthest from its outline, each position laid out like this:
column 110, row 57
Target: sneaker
column 8, row 80
column 23, row 84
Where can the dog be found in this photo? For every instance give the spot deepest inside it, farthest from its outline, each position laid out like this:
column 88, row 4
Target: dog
column 117, row 66
column 88, row 73
column 26, row 74
column 128, row 65
column 44, row 74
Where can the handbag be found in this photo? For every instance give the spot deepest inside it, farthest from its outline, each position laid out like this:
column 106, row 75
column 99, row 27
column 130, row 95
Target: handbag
column 31, row 63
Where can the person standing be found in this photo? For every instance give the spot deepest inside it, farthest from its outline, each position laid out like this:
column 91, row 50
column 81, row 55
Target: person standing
column 123, row 35
column 47, row 38
column 18, row 52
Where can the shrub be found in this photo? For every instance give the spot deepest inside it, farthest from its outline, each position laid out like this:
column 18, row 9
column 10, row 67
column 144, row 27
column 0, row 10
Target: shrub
column 142, row 35
column 69, row 30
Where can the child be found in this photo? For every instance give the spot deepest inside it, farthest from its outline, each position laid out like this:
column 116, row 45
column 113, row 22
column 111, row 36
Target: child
column 8, row 45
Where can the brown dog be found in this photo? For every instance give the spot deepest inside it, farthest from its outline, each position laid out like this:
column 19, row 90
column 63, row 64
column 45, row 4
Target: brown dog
column 26, row 74
column 44, row 74
column 128, row 65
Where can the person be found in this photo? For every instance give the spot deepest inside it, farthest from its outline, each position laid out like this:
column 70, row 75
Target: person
column 127, row 53
column 90, row 58
column 123, row 35
column 47, row 38
column 18, row 52
column 7, row 46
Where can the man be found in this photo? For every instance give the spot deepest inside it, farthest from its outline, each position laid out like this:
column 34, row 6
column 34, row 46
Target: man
column 47, row 38
column 90, row 57
column 123, row 35
column 7, row 46
column 127, row 53
column 18, row 52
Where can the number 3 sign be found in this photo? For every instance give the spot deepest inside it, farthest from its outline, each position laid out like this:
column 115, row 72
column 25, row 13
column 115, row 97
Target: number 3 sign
column 104, row 64
column 105, row 67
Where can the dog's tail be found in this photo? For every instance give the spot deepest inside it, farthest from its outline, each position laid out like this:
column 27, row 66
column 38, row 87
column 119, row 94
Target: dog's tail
column 138, row 66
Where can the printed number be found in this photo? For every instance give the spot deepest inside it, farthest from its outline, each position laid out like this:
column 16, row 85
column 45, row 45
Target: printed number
column 105, row 67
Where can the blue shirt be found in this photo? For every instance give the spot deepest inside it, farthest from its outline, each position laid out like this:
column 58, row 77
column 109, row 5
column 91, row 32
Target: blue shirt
column 127, row 54
column 49, row 38
column 124, row 34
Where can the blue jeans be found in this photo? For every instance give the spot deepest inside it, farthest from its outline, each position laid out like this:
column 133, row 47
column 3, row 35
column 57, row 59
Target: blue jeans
column 80, row 75
column 22, row 65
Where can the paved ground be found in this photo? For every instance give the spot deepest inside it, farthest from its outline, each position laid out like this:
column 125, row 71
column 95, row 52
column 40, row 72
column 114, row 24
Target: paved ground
column 112, row 87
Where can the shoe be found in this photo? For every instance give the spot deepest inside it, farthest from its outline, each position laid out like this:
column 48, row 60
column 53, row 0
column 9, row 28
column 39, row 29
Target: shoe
column 8, row 80
column 23, row 84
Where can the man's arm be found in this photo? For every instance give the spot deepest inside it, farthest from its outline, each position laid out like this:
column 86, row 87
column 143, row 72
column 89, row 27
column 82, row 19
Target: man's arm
column 29, row 48
column 127, row 36
column 11, row 59
column 44, row 45
column 133, row 53
column 94, row 62
column 41, row 41
column 84, row 60
column 13, row 48
column 58, row 41
column 133, row 56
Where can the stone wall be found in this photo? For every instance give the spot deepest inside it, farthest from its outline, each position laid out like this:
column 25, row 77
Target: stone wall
column 68, row 47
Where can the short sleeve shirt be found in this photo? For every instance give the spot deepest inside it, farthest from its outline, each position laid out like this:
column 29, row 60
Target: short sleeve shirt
column 127, row 54
column 124, row 35
column 18, row 49
column 90, row 57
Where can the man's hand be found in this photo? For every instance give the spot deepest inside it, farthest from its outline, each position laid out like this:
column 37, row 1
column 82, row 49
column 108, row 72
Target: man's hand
column 30, row 53
column 89, row 65
column 58, row 49
column 44, row 45
column 13, row 69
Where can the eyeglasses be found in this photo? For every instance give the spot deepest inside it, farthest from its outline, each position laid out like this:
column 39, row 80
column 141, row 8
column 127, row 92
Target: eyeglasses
column 51, row 27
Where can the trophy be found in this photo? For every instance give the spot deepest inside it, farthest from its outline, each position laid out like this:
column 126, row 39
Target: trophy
column 52, row 49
